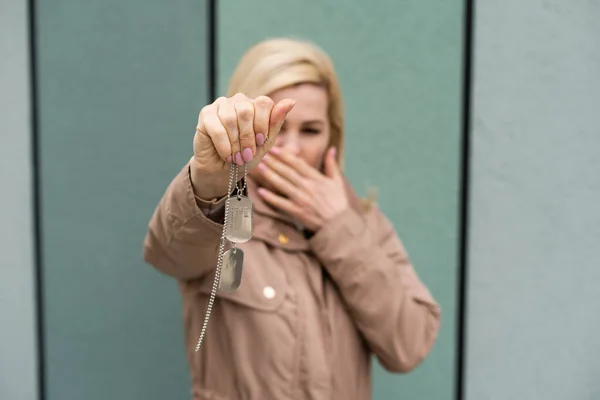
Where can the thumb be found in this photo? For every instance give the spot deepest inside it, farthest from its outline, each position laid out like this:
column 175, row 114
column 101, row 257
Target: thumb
column 276, row 120
column 278, row 114
column 332, row 169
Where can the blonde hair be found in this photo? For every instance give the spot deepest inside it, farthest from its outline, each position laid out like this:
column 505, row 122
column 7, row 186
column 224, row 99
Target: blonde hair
column 279, row 63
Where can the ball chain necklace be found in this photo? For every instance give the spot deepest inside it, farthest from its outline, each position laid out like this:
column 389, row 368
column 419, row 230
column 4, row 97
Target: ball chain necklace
column 237, row 228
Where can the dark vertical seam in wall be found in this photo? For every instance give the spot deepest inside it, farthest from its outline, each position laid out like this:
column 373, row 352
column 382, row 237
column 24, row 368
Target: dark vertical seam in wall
column 468, row 40
column 212, row 50
column 37, row 203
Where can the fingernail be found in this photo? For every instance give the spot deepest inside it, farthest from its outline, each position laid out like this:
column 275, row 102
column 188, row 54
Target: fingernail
column 229, row 160
column 247, row 154
column 238, row 158
column 262, row 166
column 261, row 191
column 275, row 150
column 334, row 152
column 260, row 139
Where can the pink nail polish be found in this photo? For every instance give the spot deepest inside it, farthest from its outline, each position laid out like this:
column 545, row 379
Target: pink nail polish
column 275, row 150
column 260, row 139
column 262, row 166
column 238, row 158
column 247, row 155
column 229, row 160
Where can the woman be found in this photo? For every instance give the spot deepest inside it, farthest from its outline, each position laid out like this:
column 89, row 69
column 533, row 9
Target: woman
column 326, row 281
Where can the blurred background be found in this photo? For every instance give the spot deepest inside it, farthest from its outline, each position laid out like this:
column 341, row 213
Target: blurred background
column 477, row 121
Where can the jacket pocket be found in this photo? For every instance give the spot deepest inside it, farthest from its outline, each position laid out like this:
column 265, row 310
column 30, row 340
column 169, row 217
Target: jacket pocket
column 263, row 286
column 258, row 325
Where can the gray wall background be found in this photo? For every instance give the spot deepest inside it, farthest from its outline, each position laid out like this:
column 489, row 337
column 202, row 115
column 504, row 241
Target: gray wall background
column 534, row 267
column 120, row 85
column 18, row 352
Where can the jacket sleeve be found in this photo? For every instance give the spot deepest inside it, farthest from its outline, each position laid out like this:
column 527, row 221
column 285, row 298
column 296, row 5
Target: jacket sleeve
column 393, row 310
column 181, row 241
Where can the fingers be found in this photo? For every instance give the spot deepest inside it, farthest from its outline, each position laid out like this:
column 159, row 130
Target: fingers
column 238, row 126
column 228, row 117
column 210, row 125
column 297, row 163
column 285, row 171
column 245, row 120
column 263, row 106
column 278, row 182
column 332, row 169
column 279, row 202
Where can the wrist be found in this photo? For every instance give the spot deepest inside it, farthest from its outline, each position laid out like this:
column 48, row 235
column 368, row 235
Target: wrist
column 208, row 187
column 335, row 213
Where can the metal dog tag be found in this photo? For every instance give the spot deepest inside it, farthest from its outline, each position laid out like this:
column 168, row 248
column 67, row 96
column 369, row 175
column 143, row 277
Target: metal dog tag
column 239, row 220
column 231, row 270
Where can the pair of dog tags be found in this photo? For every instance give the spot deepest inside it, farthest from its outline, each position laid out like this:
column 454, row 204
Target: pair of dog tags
column 237, row 228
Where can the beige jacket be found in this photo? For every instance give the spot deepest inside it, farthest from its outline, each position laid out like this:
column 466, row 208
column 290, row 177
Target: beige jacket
column 309, row 312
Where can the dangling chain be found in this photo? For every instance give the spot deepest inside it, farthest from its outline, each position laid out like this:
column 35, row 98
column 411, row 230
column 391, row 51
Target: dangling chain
column 236, row 180
column 237, row 228
column 233, row 177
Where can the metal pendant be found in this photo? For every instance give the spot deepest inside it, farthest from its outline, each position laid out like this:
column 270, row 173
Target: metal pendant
column 231, row 270
column 239, row 220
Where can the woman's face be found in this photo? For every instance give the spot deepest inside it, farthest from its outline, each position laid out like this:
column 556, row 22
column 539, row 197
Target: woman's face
column 306, row 131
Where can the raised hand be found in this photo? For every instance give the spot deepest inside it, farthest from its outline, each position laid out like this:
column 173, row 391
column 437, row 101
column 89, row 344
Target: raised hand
column 301, row 191
column 233, row 131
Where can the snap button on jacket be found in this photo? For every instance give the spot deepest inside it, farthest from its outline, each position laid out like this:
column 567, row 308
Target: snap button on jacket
column 309, row 312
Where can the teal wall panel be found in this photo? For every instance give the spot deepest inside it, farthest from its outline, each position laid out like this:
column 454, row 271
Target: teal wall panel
column 400, row 68
column 120, row 87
